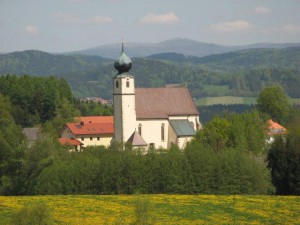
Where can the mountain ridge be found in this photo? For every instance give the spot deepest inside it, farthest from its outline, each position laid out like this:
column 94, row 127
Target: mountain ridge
column 183, row 46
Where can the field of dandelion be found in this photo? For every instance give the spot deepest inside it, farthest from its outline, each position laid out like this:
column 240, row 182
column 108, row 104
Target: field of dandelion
column 163, row 209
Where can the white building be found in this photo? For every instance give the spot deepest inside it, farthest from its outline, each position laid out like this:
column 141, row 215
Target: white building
column 157, row 117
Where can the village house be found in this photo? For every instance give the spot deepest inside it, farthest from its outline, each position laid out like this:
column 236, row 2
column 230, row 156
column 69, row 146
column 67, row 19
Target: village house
column 274, row 129
column 89, row 131
column 32, row 134
column 157, row 117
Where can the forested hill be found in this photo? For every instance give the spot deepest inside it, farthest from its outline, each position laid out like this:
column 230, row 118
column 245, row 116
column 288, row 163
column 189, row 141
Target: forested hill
column 243, row 59
column 241, row 73
column 40, row 63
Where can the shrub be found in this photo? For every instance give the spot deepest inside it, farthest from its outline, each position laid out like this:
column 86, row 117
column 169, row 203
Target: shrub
column 36, row 213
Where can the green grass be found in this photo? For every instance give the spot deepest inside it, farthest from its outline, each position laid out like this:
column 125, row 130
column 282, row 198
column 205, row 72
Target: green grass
column 216, row 89
column 163, row 209
column 229, row 100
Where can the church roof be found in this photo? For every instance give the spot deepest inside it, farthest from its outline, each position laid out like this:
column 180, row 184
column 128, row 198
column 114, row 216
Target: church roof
column 182, row 128
column 136, row 140
column 160, row 103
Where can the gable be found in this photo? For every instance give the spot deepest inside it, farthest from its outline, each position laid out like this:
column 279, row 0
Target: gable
column 154, row 103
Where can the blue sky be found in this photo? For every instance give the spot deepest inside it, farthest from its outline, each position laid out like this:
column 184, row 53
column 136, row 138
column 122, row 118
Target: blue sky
column 67, row 25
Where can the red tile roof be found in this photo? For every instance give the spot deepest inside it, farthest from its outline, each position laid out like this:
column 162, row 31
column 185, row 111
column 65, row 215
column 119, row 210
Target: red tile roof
column 68, row 141
column 154, row 103
column 95, row 119
column 91, row 128
column 275, row 128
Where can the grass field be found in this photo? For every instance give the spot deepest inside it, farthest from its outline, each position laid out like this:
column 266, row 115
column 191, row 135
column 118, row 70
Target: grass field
column 228, row 100
column 164, row 209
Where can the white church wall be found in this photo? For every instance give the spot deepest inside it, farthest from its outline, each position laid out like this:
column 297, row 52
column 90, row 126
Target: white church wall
column 182, row 141
column 151, row 132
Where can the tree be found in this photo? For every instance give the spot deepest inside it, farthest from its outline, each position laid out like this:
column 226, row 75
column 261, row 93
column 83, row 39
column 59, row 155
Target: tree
column 284, row 161
column 274, row 102
column 11, row 149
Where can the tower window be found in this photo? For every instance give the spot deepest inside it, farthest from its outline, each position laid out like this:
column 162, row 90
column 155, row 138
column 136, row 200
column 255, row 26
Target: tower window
column 117, row 84
column 140, row 129
column 127, row 84
column 163, row 132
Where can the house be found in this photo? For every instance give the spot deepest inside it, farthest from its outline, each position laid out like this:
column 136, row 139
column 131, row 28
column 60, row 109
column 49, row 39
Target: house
column 32, row 134
column 274, row 129
column 74, row 145
column 157, row 117
column 90, row 130
column 96, row 100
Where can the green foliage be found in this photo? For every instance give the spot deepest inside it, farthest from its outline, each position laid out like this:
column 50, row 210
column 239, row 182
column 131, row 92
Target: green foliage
column 274, row 102
column 37, row 213
column 34, row 99
column 11, row 149
column 93, row 109
column 217, row 134
column 142, row 216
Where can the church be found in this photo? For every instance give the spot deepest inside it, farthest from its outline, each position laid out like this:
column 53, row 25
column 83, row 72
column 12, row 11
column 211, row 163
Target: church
column 151, row 117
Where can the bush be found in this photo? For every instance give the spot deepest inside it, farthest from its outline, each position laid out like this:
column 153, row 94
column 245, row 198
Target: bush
column 37, row 213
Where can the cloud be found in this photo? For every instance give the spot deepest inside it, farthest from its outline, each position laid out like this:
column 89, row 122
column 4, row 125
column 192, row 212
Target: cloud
column 31, row 29
column 234, row 26
column 73, row 18
column 262, row 10
column 100, row 20
column 288, row 29
column 168, row 18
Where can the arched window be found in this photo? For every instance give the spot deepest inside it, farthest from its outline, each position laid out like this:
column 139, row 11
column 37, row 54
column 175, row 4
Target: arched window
column 117, row 84
column 163, row 132
column 127, row 83
column 140, row 129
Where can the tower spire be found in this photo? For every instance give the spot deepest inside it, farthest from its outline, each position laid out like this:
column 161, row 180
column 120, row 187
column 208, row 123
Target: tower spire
column 123, row 63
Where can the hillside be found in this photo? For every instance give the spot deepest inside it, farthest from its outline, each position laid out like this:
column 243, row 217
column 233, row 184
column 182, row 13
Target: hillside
column 242, row 59
column 179, row 45
column 240, row 73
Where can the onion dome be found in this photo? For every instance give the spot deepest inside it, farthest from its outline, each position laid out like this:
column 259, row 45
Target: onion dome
column 123, row 63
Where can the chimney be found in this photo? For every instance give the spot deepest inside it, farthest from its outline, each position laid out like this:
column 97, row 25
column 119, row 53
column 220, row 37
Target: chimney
column 81, row 123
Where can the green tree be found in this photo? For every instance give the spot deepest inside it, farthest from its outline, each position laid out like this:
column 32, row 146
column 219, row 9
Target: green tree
column 284, row 161
column 12, row 146
column 274, row 102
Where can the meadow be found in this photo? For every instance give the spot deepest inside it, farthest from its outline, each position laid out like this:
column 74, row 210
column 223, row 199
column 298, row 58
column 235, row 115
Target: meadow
column 163, row 209
column 229, row 100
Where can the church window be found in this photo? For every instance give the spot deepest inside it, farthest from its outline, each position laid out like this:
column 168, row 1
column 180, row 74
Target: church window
column 163, row 132
column 127, row 84
column 140, row 129
column 117, row 84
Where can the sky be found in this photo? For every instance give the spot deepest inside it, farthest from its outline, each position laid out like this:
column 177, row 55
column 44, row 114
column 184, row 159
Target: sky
column 70, row 25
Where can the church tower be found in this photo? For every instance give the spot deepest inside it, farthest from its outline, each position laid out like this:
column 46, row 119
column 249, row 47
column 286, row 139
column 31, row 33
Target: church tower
column 123, row 99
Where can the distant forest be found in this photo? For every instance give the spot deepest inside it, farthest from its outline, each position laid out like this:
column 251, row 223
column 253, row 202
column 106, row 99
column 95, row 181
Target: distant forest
column 243, row 73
